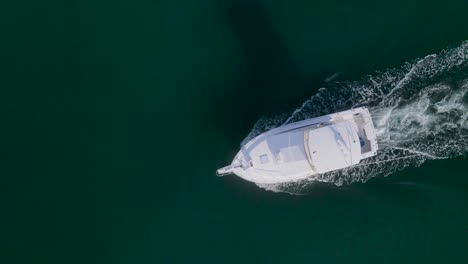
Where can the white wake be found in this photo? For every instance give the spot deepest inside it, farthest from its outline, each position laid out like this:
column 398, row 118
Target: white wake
column 420, row 113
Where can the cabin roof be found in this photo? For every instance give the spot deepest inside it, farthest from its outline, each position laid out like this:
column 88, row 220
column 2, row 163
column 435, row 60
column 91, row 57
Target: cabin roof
column 333, row 147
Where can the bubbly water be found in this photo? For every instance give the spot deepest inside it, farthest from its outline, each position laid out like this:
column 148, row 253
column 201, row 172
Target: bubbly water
column 419, row 111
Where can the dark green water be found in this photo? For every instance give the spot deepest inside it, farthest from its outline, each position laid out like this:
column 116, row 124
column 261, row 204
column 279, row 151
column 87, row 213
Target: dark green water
column 116, row 114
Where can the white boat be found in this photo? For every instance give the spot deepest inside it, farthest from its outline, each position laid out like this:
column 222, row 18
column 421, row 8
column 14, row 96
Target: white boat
column 299, row 150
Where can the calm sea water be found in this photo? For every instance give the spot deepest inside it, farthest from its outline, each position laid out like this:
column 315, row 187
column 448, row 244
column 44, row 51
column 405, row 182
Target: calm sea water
column 116, row 114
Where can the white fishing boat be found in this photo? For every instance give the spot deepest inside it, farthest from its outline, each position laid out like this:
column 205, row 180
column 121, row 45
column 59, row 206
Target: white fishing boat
column 299, row 150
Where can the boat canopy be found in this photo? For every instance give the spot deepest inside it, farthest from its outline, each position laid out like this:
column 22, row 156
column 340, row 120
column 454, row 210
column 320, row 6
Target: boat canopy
column 333, row 147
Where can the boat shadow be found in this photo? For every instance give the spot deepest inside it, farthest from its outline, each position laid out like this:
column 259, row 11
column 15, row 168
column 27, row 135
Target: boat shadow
column 268, row 75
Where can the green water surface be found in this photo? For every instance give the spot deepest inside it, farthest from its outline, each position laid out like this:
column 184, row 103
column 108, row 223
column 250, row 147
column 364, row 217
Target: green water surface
column 116, row 114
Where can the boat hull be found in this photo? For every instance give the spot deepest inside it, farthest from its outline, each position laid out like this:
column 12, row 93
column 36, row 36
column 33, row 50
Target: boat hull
column 299, row 150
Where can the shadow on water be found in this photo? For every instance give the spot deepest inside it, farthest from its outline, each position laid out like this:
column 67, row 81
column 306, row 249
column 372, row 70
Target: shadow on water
column 269, row 74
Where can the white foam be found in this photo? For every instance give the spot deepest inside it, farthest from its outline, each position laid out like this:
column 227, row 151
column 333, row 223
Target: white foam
column 332, row 77
column 419, row 110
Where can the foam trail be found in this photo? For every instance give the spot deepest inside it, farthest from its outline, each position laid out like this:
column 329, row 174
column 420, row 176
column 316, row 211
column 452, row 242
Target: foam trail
column 332, row 77
column 420, row 153
column 420, row 112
